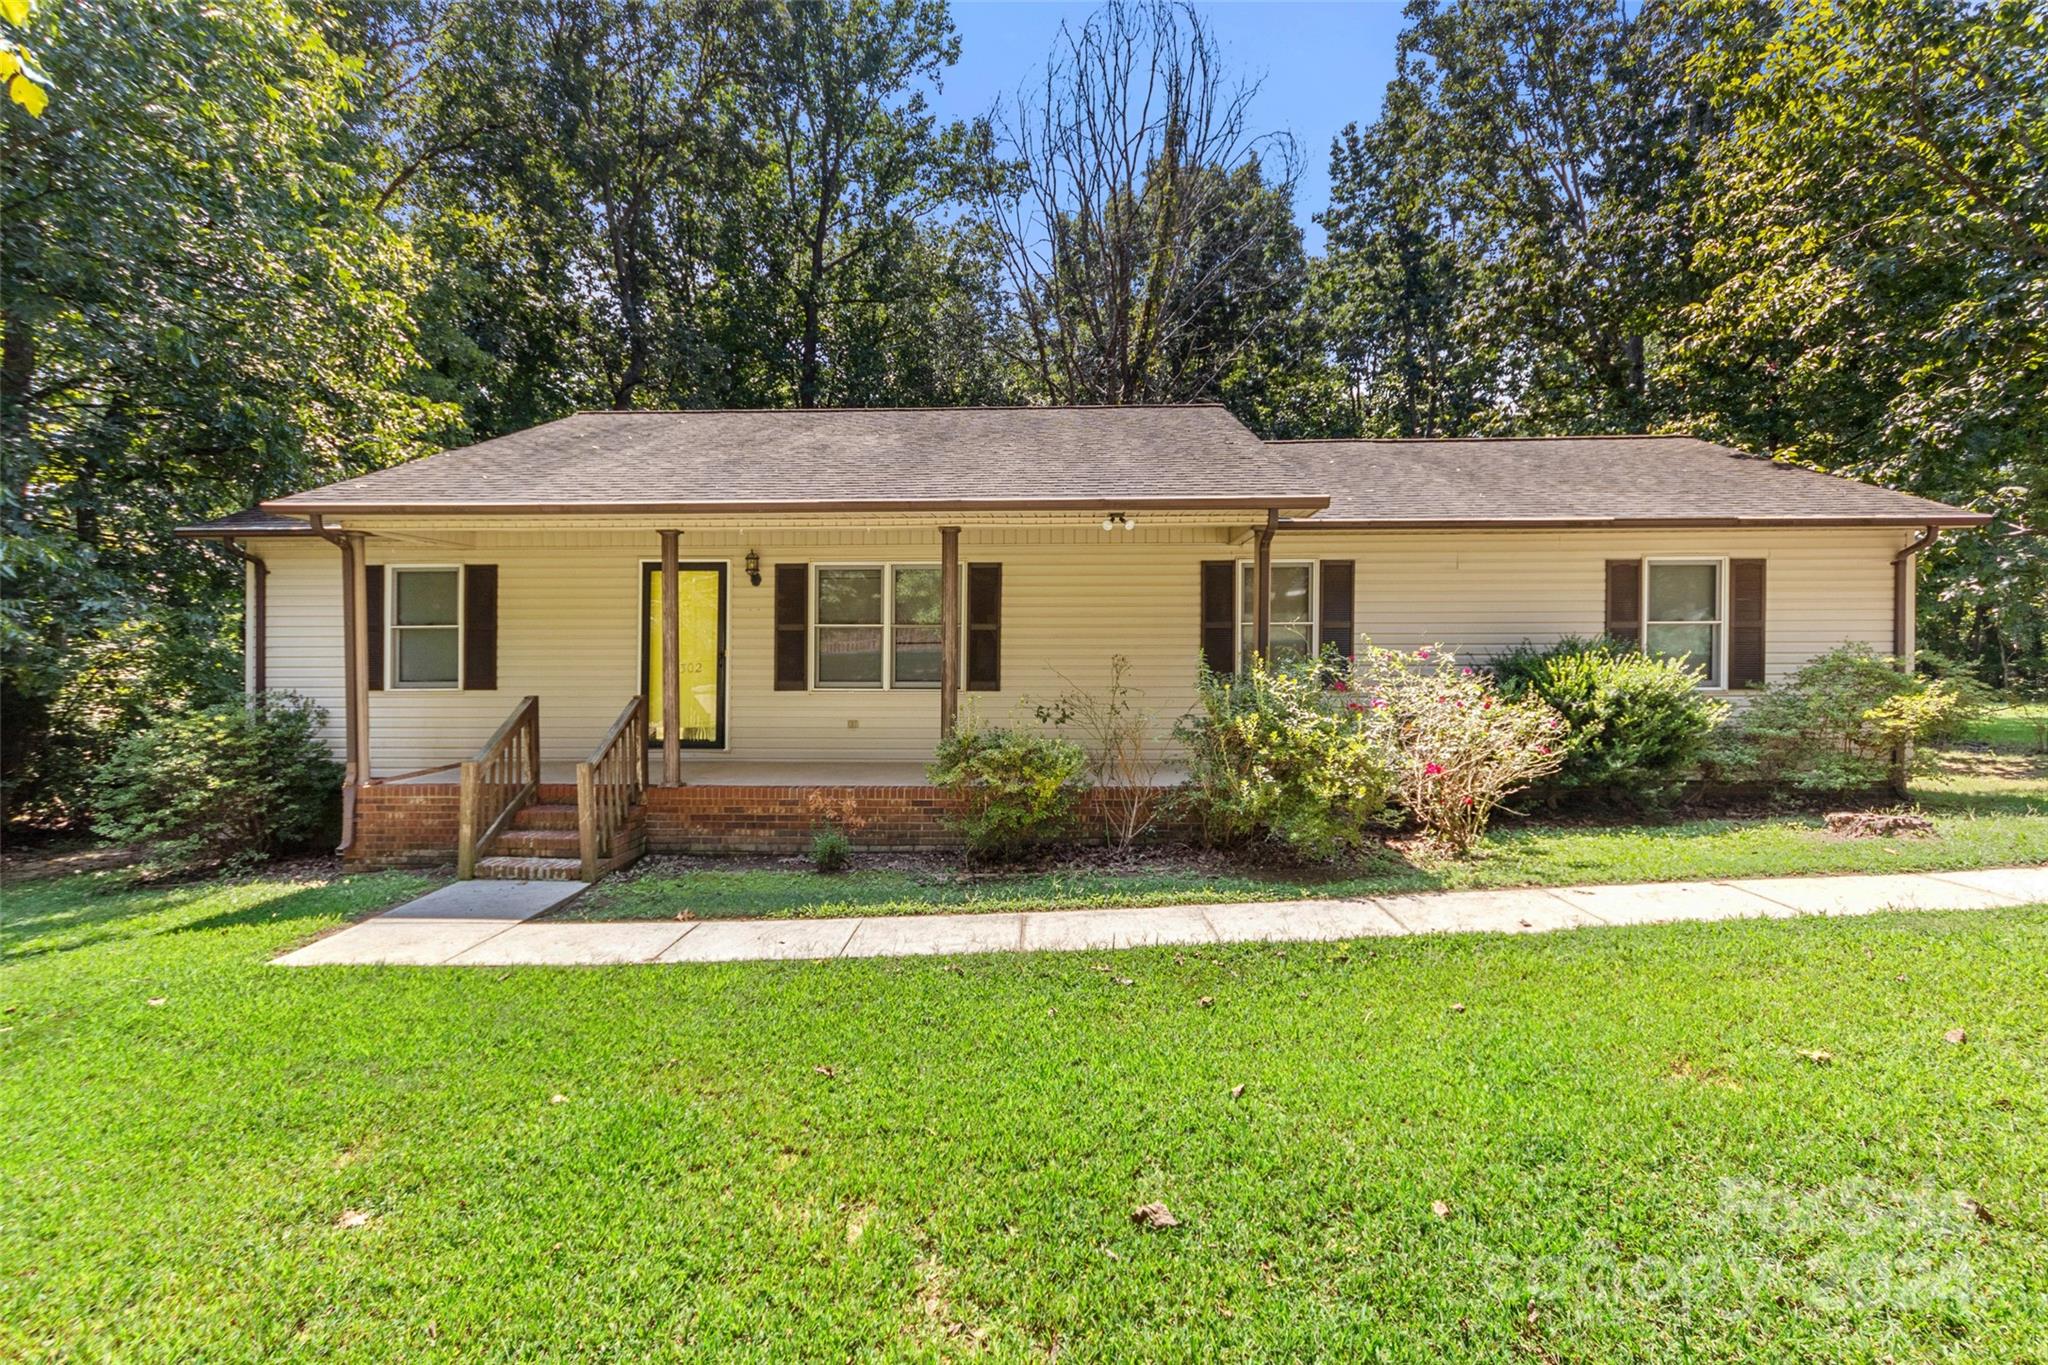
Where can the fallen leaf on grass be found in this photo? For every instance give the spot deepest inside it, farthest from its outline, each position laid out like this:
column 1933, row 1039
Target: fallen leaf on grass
column 1154, row 1216
column 157, row 999
column 1125, row 981
column 352, row 1218
column 1237, row 1092
column 1439, row 1208
column 1818, row 1056
column 1978, row 1211
column 1206, row 1001
column 1955, row 1035
column 558, row 1099
column 1457, row 1009
column 827, row 1072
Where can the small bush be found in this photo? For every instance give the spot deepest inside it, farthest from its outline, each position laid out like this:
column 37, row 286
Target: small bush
column 1276, row 754
column 1023, row 790
column 1635, row 725
column 1460, row 748
column 1117, row 731
column 830, row 849
column 1835, row 724
column 223, row 786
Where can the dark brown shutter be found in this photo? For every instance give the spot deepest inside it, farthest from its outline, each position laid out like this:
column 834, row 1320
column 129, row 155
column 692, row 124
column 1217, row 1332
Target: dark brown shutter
column 1745, row 623
column 984, row 627
column 373, row 621
column 1219, row 615
column 1625, row 600
column 1339, row 577
column 792, row 627
column 480, row 628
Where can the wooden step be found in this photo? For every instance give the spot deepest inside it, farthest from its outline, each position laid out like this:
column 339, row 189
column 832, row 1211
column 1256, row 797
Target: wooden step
column 537, row 843
column 541, row 815
column 530, row 869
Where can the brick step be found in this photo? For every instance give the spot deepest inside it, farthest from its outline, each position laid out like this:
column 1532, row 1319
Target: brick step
column 537, row 843
column 530, row 869
column 541, row 815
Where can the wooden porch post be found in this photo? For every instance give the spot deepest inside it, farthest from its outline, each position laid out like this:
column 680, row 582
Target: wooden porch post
column 1262, row 577
column 949, row 630
column 355, row 651
column 671, row 666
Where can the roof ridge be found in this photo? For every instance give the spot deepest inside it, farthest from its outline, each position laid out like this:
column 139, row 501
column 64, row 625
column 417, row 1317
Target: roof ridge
column 891, row 407
column 1445, row 440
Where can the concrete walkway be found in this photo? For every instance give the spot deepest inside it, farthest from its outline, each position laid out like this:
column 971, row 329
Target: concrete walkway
column 490, row 924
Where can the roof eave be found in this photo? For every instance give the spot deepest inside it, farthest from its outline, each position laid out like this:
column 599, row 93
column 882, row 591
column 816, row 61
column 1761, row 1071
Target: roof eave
column 1902, row 520
column 204, row 532
column 293, row 507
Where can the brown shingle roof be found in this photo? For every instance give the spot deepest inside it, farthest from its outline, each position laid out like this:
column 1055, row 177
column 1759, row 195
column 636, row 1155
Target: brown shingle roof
column 250, row 521
column 850, row 459
column 1586, row 480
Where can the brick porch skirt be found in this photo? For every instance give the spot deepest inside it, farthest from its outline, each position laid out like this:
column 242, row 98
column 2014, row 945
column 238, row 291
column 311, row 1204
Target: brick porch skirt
column 413, row 824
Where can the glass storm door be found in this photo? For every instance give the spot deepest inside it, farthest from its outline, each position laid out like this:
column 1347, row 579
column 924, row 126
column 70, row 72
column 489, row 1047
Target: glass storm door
column 700, row 654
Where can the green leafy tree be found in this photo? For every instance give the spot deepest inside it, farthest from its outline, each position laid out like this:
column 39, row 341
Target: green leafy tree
column 1873, row 230
column 1392, row 289
column 856, row 172
column 200, row 309
column 1548, row 135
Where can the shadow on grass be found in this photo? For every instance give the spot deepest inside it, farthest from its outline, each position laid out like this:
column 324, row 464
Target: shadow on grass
column 64, row 914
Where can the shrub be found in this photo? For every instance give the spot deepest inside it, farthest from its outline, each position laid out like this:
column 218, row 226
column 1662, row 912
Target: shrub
column 1635, row 725
column 1276, row 754
column 1023, row 789
column 830, row 849
column 1835, row 725
column 1117, row 731
column 1460, row 747
column 220, row 786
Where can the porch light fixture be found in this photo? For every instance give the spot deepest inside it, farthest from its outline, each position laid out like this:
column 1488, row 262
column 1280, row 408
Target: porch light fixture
column 754, row 567
column 1117, row 521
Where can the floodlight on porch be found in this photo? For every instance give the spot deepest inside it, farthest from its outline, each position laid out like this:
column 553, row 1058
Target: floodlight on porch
column 1117, row 521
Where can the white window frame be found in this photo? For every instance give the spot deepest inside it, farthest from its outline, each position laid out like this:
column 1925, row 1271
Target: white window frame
column 1315, row 603
column 888, row 626
column 392, row 628
column 1717, row 668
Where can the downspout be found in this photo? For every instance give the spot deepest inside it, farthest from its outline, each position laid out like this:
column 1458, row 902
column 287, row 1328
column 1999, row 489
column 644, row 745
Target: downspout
column 1902, row 593
column 350, row 721
column 1903, row 634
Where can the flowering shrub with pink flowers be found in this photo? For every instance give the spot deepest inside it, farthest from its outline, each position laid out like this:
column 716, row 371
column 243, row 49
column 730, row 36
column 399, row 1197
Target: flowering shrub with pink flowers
column 1282, row 752
column 1458, row 747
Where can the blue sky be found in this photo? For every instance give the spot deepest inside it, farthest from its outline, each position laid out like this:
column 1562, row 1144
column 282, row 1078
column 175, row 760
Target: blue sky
column 1324, row 63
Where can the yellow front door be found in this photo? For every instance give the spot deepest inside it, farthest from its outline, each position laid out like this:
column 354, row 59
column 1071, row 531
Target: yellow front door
column 700, row 597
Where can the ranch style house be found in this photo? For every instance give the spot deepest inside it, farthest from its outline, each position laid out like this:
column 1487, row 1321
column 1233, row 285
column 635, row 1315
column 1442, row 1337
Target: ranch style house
column 545, row 653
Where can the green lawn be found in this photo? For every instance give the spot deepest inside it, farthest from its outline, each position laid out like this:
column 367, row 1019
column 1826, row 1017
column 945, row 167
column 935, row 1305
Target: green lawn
column 1636, row 1152
column 2017, row 728
column 1990, row 811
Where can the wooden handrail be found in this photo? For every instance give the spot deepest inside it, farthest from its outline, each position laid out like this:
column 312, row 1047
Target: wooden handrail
column 608, row 785
column 504, row 775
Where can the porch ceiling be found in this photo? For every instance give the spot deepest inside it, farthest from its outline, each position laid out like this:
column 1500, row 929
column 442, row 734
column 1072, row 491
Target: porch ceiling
column 467, row 529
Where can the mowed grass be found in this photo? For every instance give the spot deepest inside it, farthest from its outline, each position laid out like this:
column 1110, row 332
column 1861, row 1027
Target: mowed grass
column 2020, row 728
column 1740, row 1140
column 1982, row 822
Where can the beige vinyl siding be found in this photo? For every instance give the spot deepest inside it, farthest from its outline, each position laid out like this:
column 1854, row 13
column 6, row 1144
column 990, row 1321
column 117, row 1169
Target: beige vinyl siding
column 569, row 607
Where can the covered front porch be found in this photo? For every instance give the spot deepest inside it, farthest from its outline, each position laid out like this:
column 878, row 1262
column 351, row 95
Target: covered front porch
column 812, row 671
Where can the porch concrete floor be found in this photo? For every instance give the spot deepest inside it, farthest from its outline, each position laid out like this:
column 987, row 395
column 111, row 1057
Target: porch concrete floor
column 731, row 772
column 726, row 772
column 459, row 931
